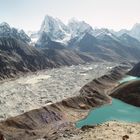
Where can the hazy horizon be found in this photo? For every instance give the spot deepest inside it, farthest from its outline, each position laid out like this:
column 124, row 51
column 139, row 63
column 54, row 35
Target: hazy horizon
column 112, row 14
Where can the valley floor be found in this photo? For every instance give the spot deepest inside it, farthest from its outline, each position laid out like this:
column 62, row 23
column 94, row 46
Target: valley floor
column 44, row 87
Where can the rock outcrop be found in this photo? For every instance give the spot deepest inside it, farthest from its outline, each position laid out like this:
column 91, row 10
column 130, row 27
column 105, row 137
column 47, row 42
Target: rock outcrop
column 128, row 92
column 135, row 71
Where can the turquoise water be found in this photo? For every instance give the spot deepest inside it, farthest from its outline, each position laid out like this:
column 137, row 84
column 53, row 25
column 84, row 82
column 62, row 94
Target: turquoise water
column 128, row 78
column 118, row 110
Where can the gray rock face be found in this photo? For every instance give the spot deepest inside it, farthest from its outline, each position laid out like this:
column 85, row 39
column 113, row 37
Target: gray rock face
column 135, row 71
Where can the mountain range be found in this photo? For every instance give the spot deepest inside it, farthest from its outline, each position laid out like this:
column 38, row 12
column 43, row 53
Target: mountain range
column 80, row 36
column 18, row 55
column 57, row 44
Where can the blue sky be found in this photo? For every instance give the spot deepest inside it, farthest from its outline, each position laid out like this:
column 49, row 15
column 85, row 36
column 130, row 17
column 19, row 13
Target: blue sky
column 28, row 14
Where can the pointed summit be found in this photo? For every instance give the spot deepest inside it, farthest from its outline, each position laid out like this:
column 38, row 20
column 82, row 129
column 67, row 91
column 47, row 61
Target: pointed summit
column 4, row 27
column 54, row 28
column 5, row 24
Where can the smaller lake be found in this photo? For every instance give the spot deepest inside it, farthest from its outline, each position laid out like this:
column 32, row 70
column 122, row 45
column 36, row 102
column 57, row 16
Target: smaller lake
column 118, row 110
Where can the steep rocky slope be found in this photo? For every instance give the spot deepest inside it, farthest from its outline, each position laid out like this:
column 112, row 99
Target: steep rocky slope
column 18, row 57
column 128, row 92
column 135, row 71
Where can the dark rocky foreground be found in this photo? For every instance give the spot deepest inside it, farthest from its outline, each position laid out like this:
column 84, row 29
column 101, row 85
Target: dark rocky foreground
column 52, row 121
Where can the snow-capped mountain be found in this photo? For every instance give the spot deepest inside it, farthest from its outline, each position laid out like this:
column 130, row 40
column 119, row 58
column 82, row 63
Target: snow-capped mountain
column 55, row 29
column 7, row 31
column 134, row 32
column 79, row 28
column 80, row 36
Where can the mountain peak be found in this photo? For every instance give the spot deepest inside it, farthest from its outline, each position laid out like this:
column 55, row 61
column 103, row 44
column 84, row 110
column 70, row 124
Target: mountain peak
column 55, row 29
column 4, row 27
column 48, row 17
column 51, row 24
column 5, row 24
column 48, row 24
column 7, row 31
column 78, row 27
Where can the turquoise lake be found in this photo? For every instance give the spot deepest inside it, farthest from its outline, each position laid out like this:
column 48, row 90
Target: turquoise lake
column 118, row 110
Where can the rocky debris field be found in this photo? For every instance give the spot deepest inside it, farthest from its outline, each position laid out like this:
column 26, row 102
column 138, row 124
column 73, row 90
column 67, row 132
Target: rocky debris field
column 44, row 87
